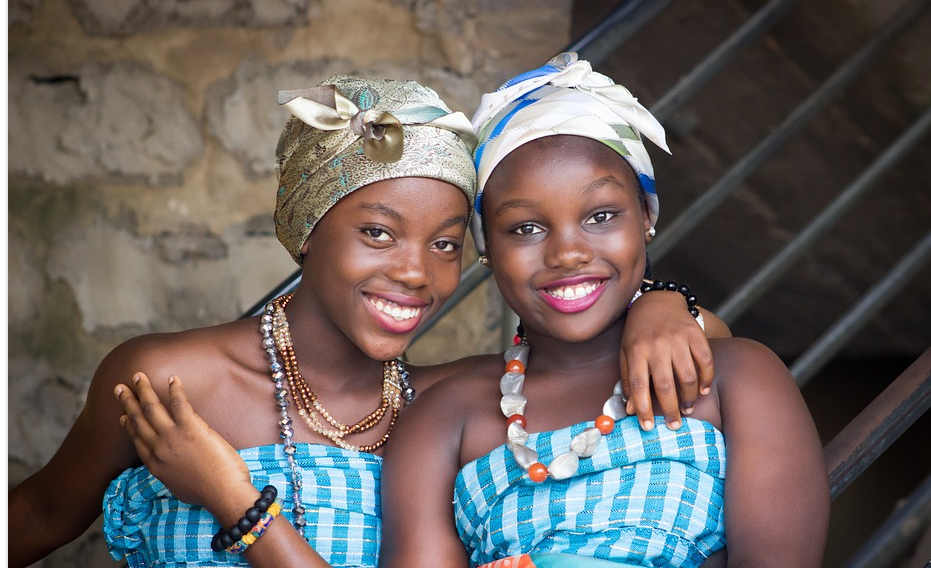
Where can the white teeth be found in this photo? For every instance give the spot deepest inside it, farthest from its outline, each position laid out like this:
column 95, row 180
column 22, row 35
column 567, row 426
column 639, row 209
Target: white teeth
column 573, row 292
column 396, row 311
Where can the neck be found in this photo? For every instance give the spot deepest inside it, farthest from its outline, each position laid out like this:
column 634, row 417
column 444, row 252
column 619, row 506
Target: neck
column 322, row 349
column 596, row 358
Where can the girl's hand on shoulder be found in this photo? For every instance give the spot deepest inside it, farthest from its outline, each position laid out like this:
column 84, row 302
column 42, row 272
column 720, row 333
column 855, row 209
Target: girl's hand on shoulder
column 664, row 346
column 179, row 448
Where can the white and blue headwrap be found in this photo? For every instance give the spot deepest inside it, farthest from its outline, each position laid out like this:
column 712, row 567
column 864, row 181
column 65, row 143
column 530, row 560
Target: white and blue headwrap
column 563, row 97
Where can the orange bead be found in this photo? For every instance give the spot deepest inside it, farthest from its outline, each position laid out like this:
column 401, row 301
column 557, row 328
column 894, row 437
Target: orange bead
column 514, row 366
column 519, row 418
column 605, row 424
column 537, row 472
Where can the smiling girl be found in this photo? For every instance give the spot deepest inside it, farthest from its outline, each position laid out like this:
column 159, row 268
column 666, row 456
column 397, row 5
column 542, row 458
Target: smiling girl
column 540, row 467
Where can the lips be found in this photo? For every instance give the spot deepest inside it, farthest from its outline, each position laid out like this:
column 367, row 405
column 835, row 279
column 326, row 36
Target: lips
column 574, row 294
column 578, row 291
column 396, row 314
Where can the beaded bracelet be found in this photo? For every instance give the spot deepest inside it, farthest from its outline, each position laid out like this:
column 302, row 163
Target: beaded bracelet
column 258, row 530
column 672, row 286
column 224, row 539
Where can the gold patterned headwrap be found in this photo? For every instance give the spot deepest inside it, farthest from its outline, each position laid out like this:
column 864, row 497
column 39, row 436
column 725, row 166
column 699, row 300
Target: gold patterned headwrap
column 349, row 132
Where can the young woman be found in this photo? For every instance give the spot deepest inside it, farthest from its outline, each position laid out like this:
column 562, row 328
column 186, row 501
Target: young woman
column 375, row 186
column 541, row 467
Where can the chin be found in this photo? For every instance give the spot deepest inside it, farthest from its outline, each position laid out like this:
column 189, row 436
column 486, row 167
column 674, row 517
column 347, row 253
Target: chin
column 388, row 349
column 579, row 331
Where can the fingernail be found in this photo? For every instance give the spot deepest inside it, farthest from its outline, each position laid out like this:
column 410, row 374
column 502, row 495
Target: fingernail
column 674, row 425
column 706, row 390
column 688, row 410
column 136, row 378
column 647, row 425
column 629, row 408
column 171, row 380
column 118, row 391
column 123, row 420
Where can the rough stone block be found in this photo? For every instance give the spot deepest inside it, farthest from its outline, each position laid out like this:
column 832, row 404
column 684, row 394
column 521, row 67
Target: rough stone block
column 126, row 17
column 242, row 112
column 109, row 123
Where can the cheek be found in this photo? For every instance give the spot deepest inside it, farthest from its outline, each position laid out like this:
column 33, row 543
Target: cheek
column 629, row 251
column 445, row 276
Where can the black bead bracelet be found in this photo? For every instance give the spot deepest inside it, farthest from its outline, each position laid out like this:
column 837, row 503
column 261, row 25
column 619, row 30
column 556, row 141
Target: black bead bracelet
column 226, row 538
column 673, row 286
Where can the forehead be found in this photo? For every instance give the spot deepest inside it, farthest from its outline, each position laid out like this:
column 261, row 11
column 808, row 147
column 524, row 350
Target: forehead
column 555, row 158
column 407, row 196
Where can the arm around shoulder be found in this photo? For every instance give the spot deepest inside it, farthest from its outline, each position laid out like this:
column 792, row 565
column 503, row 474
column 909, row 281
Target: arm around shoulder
column 776, row 490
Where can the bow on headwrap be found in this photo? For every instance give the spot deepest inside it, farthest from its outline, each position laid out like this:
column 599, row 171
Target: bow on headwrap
column 350, row 132
column 563, row 97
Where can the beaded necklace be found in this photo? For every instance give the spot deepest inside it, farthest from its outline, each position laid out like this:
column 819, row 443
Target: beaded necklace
column 310, row 409
column 513, row 404
column 278, row 347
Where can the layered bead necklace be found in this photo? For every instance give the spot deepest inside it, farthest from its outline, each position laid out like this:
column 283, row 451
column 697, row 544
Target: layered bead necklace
column 514, row 403
column 279, row 350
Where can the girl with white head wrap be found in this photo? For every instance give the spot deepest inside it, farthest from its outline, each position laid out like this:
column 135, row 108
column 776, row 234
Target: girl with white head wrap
column 564, row 97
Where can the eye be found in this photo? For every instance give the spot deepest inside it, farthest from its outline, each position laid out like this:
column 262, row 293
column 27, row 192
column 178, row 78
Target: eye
column 446, row 246
column 527, row 229
column 377, row 234
column 600, row 217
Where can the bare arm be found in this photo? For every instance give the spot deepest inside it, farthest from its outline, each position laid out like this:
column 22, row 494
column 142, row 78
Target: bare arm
column 201, row 468
column 776, row 489
column 664, row 345
column 420, row 468
column 57, row 504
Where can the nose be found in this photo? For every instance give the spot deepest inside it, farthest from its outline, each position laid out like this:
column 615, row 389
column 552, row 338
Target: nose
column 567, row 250
column 409, row 268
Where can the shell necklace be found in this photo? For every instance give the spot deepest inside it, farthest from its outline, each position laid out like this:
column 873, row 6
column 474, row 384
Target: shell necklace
column 513, row 404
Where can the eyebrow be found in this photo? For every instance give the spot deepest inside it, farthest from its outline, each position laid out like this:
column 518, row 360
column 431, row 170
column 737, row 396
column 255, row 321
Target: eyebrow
column 454, row 221
column 383, row 209
column 389, row 212
column 515, row 204
column 601, row 182
column 588, row 188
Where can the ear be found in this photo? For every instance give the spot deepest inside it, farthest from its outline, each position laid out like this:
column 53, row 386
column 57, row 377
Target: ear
column 648, row 231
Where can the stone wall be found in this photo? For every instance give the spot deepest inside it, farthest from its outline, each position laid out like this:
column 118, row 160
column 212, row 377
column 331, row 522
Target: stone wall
column 141, row 152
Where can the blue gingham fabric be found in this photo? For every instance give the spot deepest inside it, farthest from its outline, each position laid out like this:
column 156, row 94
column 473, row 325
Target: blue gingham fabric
column 147, row 525
column 644, row 498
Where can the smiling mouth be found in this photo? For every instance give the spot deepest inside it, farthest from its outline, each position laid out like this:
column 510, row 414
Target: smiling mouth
column 393, row 310
column 574, row 292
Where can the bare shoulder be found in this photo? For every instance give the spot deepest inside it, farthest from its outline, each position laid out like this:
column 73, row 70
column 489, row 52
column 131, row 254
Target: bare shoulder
column 452, row 398
column 193, row 354
column 739, row 360
column 743, row 349
column 460, row 369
